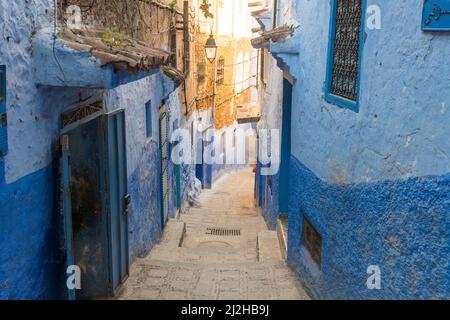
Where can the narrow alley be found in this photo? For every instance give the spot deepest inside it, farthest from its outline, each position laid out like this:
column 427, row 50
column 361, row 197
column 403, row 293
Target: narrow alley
column 224, row 150
column 222, row 250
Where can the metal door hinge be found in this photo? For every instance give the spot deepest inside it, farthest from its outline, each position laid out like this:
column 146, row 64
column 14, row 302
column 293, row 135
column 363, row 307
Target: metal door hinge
column 127, row 202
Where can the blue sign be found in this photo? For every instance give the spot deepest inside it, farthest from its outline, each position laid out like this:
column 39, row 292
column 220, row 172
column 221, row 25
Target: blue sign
column 436, row 15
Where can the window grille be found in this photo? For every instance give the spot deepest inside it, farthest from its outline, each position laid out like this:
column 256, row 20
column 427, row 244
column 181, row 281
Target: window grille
column 221, row 71
column 201, row 72
column 345, row 49
column 312, row 241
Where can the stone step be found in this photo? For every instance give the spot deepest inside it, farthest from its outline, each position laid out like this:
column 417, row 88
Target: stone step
column 174, row 232
column 161, row 280
column 268, row 246
column 279, row 264
column 203, row 255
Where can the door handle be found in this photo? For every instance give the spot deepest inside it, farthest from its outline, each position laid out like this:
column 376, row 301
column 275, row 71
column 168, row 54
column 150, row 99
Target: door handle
column 126, row 202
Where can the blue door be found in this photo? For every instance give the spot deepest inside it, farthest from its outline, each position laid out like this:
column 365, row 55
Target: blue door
column 119, row 199
column 67, row 206
column 199, row 167
column 164, row 161
column 95, row 204
column 283, row 200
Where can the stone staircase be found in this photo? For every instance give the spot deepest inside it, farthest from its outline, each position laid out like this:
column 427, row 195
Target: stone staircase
column 220, row 251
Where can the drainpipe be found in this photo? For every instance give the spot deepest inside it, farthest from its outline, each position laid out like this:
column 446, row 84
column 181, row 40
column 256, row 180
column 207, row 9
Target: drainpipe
column 216, row 27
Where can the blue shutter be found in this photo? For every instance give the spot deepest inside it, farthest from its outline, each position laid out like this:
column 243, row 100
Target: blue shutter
column 148, row 119
column 3, row 117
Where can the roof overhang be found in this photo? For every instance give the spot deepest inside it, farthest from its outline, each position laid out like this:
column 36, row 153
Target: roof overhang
column 275, row 35
column 82, row 59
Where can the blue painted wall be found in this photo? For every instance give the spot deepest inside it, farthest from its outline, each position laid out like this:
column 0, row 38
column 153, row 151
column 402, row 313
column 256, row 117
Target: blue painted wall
column 31, row 262
column 400, row 225
column 375, row 183
column 271, row 118
column 31, row 247
column 143, row 155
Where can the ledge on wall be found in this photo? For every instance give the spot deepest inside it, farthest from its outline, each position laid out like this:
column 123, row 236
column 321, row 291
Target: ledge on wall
column 287, row 45
column 286, row 53
column 81, row 58
column 274, row 35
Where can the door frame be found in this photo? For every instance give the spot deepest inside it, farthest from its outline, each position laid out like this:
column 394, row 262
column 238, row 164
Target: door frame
column 65, row 173
column 122, row 180
column 283, row 195
column 161, row 187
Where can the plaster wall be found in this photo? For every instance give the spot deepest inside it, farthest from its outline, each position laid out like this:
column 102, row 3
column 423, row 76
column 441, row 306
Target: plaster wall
column 374, row 183
column 31, row 250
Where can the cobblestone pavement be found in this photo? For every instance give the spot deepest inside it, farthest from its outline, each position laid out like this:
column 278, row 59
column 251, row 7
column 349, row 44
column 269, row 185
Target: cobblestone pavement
column 216, row 266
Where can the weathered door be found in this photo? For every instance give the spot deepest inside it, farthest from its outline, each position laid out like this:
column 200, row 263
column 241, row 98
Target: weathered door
column 283, row 201
column 67, row 207
column 164, row 151
column 95, row 204
column 119, row 200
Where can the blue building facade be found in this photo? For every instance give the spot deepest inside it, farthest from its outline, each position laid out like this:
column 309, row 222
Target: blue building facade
column 46, row 80
column 369, row 171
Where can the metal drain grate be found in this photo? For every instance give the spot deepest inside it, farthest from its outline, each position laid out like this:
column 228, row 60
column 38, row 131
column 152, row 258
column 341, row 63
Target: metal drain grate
column 223, row 232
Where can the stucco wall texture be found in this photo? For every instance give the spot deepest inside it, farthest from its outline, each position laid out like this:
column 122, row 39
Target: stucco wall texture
column 31, row 262
column 375, row 183
column 31, row 254
column 271, row 118
column 143, row 154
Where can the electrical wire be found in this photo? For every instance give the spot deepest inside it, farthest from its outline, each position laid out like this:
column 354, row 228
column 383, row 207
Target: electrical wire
column 234, row 96
column 239, row 63
column 241, row 82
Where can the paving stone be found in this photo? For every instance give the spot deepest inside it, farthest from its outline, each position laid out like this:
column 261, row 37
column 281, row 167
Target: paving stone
column 207, row 267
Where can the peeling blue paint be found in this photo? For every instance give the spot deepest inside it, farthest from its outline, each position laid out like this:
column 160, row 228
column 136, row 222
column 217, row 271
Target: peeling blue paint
column 145, row 213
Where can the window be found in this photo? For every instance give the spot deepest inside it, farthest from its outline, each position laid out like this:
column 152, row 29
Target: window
column 234, row 137
column 344, row 51
column 173, row 49
column 239, row 73
column 201, row 72
column 312, row 241
column 222, row 143
column 221, row 71
column 3, row 117
column 148, row 119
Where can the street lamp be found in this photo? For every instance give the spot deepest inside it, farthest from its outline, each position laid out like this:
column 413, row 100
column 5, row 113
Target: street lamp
column 211, row 54
column 211, row 48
